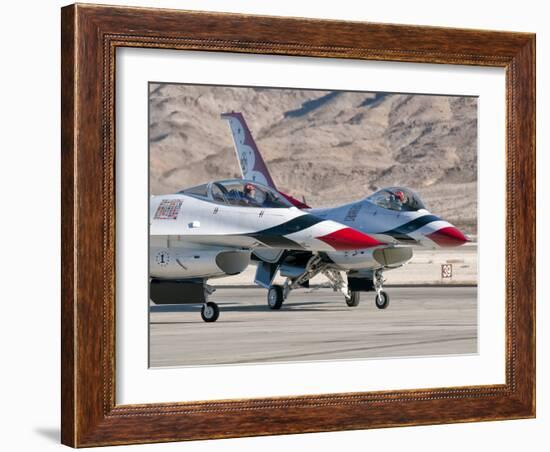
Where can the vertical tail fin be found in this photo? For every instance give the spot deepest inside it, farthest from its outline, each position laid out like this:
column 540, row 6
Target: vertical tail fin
column 250, row 160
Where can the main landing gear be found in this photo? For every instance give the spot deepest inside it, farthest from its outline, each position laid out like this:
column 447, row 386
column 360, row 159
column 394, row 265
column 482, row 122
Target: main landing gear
column 353, row 297
column 275, row 297
column 277, row 294
column 350, row 286
column 339, row 283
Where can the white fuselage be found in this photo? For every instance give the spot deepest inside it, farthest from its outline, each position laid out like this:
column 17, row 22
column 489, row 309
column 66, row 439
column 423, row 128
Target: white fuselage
column 389, row 226
column 195, row 238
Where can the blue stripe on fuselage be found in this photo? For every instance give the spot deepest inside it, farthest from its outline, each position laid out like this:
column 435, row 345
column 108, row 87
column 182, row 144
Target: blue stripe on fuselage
column 402, row 232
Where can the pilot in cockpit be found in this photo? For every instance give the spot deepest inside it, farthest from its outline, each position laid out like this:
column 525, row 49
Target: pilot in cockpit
column 398, row 199
column 250, row 194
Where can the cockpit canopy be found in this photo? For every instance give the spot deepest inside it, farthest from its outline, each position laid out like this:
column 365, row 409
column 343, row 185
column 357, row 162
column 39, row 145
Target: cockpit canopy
column 397, row 198
column 238, row 192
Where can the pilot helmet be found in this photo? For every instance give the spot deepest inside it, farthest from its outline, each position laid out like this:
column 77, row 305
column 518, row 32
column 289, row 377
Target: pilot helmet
column 399, row 195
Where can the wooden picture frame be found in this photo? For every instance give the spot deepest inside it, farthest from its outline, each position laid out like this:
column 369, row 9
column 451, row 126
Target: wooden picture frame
column 90, row 36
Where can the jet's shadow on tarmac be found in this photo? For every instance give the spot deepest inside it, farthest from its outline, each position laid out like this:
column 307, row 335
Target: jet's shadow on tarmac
column 229, row 307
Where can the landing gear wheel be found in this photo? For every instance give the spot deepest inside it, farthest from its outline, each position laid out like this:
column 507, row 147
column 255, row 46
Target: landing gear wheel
column 275, row 297
column 382, row 300
column 210, row 312
column 353, row 299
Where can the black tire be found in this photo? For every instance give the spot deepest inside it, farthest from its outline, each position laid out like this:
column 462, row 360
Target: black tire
column 210, row 312
column 275, row 297
column 354, row 299
column 382, row 301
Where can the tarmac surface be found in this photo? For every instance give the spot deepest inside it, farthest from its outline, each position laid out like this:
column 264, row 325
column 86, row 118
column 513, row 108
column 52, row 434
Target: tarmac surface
column 315, row 324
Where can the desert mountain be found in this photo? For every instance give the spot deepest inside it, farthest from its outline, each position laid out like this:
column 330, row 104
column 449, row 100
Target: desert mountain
column 328, row 147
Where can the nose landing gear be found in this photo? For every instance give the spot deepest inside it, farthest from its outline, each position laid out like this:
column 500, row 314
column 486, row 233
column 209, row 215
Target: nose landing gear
column 210, row 311
column 382, row 299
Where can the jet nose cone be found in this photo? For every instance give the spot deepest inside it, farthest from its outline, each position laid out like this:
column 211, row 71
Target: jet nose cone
column 448, row 237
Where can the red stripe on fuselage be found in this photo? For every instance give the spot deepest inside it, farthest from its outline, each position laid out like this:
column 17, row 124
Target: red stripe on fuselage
column 349, row 239
column 448, row 237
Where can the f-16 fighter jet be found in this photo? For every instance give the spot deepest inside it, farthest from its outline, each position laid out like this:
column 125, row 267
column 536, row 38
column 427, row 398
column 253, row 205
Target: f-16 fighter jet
column 209, row 231
column 395, row 217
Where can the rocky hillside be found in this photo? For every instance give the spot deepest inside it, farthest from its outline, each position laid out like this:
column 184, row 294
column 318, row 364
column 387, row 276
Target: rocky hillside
column 328, row 147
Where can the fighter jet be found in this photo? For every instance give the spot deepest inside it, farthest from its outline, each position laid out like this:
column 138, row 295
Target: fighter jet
column 211, row 230
column 394, row 216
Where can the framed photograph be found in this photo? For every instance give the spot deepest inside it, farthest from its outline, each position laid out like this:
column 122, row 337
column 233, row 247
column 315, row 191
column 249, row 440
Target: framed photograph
column 281, row 225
